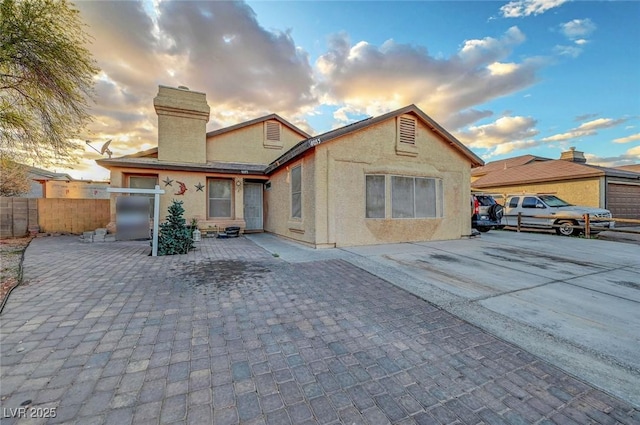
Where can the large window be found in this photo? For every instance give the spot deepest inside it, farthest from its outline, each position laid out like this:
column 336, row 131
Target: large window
column 296, row 192
column 375, row 198
column 220, row 198
column 415, row 197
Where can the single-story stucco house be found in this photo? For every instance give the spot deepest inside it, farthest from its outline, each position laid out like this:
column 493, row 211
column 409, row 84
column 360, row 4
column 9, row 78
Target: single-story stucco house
column 49, row 184
column 394, row 178
column 570, row 178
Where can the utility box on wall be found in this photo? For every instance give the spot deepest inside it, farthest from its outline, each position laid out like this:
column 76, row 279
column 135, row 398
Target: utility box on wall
column 132, row 218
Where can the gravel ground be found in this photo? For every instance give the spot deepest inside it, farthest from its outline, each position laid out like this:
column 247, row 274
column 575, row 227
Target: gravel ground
column 11, row 251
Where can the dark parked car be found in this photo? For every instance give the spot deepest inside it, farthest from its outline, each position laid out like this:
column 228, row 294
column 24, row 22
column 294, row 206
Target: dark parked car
column 486, row 213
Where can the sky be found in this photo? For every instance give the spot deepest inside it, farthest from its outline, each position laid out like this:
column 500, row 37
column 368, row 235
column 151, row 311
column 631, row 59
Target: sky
column 506, row 78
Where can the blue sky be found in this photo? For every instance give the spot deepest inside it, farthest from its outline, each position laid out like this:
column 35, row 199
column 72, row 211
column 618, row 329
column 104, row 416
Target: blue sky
column 506, row 78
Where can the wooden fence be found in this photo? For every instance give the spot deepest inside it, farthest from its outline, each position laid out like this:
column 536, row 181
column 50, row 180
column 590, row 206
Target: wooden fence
column 52, row 215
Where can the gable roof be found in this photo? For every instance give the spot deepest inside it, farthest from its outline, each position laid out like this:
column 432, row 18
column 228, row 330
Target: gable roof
column 36, row 173
column 274, row 117
column 506, row 163
column 305, row 145
column 547, row 171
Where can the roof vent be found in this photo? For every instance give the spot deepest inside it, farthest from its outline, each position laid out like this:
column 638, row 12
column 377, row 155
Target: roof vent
column 573, row 155
column 183, row 87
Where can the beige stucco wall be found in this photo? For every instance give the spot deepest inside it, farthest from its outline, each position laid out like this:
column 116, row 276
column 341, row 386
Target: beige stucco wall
column 195, row 202
column 587, row 192
column 336, row 201
column 182, row 120
column 277, row 213
column 247, row 145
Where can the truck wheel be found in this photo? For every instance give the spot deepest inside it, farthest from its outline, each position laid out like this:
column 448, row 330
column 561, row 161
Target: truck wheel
column 484, row 229
column 566, row 228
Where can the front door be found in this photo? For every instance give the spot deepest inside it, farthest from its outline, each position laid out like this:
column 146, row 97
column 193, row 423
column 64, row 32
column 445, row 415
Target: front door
column 253, row 206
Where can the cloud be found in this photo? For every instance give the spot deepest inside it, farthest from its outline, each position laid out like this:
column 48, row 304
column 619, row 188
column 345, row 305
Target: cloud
column 584, row 117
column 601, row 123
column 630, row 157
column 505, row 131
column 571, row 51
column 627, row 139
column 568, row 136
column 373, row 80
column 521, row 8
column 577, row 29
column 585, row 129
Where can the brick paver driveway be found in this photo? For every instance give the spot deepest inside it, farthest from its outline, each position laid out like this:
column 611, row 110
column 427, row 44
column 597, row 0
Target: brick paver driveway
column 230, row 334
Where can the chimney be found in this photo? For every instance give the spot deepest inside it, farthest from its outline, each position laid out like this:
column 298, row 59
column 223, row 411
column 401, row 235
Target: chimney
column 573, row 155
column 182, row 121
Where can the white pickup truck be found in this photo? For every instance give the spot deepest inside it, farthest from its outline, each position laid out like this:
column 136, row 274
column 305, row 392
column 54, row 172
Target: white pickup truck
column 568, row 216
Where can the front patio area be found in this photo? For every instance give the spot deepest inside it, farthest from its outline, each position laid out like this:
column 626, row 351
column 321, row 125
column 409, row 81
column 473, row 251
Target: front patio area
column 233, row 334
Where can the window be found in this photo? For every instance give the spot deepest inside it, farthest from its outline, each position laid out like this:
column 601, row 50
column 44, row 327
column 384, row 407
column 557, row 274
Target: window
column 144, row 182
column 220, row 198
column 529, row 202
column 375, row 198
column 513, row 203
column 415, row 197
column 296, row 192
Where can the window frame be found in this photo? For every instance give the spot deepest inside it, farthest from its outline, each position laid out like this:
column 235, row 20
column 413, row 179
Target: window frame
column 210, row 180
column 299, row 193
column 384, row 196
column 150, row 196
column 439, row 197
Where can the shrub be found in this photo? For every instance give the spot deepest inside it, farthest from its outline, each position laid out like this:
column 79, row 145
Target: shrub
column 174, row 237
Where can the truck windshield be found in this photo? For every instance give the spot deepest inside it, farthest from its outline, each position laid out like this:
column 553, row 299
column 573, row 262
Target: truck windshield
column 554, row 201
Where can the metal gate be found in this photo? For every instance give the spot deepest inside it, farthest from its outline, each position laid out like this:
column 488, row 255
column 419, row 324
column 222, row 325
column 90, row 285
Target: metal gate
column 253, row 206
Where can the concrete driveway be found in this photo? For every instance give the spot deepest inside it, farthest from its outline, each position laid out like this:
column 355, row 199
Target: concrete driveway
column 574, row 302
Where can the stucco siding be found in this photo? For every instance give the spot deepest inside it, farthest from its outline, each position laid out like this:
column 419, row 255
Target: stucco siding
column 585, row 192
column 195, row 202
column 247, row 145
column 277, row 214
column 340, row 195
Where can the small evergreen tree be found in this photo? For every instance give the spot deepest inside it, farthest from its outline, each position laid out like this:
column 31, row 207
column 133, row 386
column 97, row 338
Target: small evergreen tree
column 174, row 237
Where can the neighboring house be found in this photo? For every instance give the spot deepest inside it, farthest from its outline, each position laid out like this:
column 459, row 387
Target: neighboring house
column 570, row 178
column 634, row 167
column 49, row 184
column 394, row 178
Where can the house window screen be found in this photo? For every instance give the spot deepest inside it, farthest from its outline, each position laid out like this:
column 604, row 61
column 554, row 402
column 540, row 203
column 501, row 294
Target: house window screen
column 296, row 192
column 415, row 197
column 375, row 197
column 402, row 197
column 220, row 198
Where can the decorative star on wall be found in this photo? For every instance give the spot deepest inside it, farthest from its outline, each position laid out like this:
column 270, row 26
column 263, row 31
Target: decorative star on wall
column 199, row 187
column 167, row 182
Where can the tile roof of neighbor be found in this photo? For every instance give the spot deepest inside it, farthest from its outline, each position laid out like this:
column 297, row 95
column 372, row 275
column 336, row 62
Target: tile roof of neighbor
column 46, row 174
column 633, row 167
column 506, row 163
column 275, row 117
column 547, row 171
column 311, row 142
column 211, row 166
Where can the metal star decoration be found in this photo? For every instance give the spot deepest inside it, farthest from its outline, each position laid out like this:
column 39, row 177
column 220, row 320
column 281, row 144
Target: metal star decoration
column 167, row 182
column 199, row 187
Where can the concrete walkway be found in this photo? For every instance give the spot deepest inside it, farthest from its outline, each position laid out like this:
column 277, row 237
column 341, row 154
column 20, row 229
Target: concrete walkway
column 231, row 334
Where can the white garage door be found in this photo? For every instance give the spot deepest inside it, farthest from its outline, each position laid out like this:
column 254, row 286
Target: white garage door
column 623, row 200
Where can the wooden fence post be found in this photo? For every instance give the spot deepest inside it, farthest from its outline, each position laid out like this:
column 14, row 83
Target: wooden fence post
column 587, row 226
